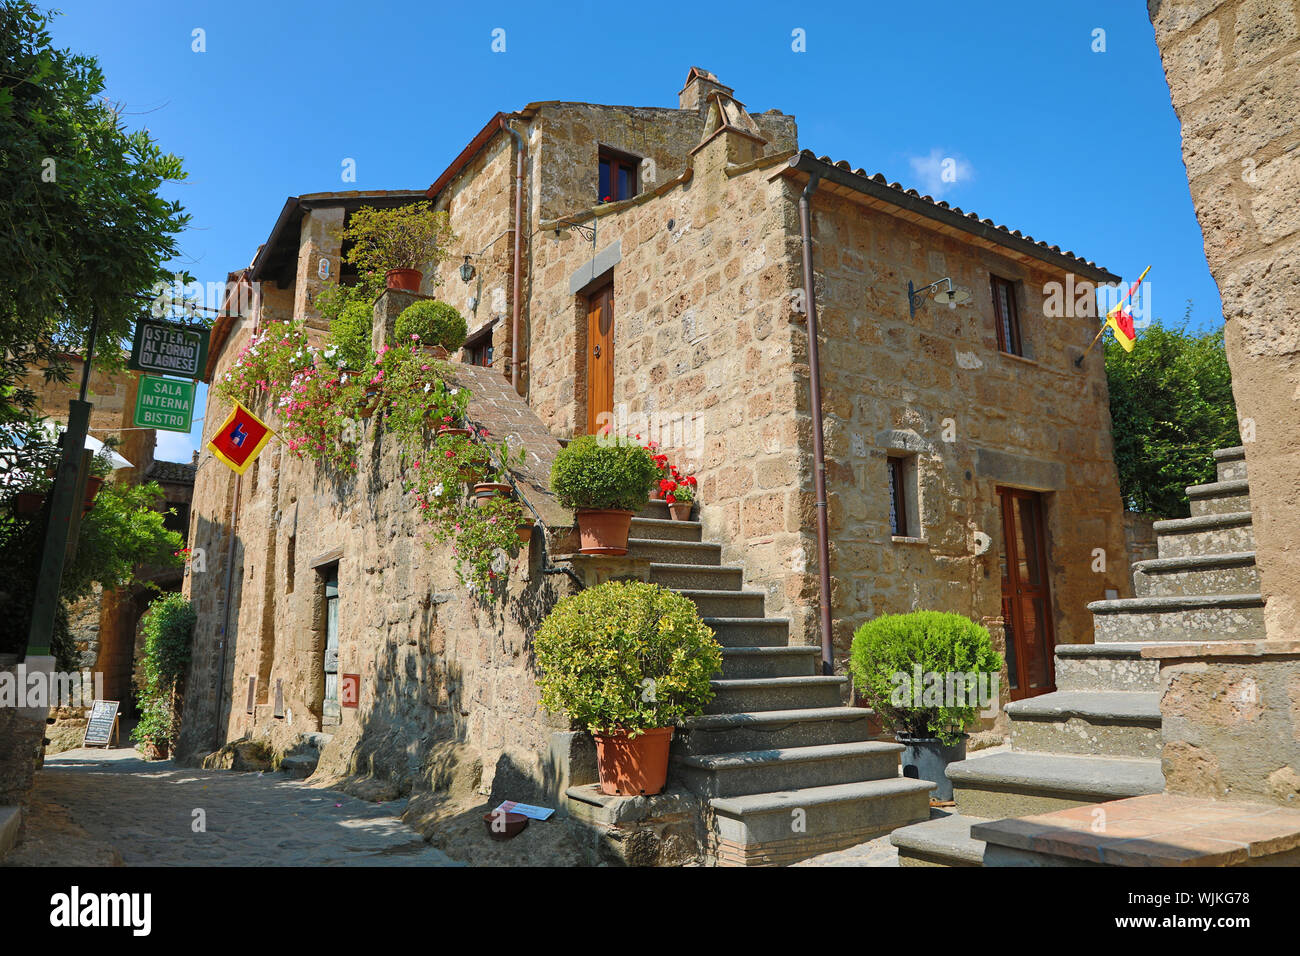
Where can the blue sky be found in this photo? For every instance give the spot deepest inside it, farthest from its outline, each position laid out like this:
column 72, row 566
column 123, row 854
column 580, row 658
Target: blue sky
column 1076, row 147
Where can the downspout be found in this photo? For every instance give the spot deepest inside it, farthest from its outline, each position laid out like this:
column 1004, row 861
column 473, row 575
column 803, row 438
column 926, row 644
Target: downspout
column 521, row 152
column 819, row 457
column 225, row 607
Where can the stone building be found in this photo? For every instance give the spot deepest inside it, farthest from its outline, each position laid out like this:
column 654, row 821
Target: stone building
column 642, row 269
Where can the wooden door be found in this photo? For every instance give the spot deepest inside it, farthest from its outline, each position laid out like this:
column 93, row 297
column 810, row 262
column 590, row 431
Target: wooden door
column 1026, row 595
column 600, row 356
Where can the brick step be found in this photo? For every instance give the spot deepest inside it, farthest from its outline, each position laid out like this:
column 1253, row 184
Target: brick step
column 1204, row 534
column 750, row 631
column 1011, row 784
column 1219, row 497
column 1230, row 463
column 726, row 603
column 1116, row 723
column 942, row 841
column 1185, row 618
column 1105, row 667
column 792, row 768
column 775, row 693
column 773, row 729
column 663, row 529
column 783, row 827
column 675, row 552
column 705, row 577
column 797, row 661
column 1233, row 573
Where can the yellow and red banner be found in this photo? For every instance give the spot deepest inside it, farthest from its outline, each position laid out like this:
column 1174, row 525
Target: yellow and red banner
column 1120, row 319
column 240, row 439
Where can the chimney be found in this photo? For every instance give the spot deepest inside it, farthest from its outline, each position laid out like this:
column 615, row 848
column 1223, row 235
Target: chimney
column 699, row 84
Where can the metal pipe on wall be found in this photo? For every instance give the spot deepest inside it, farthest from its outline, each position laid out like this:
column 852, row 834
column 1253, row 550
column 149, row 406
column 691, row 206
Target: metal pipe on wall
column 521, row 152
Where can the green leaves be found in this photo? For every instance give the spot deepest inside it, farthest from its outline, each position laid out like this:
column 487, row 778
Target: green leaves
column 1171, row 405
column 602, row 472
column 404, row 237
column 431, row 323
column 168, row 628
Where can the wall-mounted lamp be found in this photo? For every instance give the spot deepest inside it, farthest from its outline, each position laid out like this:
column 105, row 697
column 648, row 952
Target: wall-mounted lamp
column 562, row 228
column 466, row 270
column 951, row 297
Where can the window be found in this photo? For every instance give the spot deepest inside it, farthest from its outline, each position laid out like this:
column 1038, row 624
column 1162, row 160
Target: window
column 618, row 175
column 899, row 499
column 1008, row 319
column 478, row 347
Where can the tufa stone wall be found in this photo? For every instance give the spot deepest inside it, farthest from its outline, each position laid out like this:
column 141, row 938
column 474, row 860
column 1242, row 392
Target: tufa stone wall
column 1234, row 79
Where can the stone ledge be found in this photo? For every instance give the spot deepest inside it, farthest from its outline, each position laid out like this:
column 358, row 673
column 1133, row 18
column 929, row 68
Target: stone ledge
column 1210, row 650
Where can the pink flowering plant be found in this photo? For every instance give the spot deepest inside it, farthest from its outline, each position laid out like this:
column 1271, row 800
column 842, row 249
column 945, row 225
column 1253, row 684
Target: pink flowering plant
column 267, row 363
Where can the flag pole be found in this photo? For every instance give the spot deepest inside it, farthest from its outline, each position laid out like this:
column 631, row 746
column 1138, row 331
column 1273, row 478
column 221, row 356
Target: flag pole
column 1078, row 363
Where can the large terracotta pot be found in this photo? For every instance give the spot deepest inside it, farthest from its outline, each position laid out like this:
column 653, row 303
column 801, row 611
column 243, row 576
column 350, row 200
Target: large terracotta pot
column 30, row 502
column 603, row 531
column 485, row 491
column 93, row 484
column 633, row 767
column 155, row 751
column 408, row 280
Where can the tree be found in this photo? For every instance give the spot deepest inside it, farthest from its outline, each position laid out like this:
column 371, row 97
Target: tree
column 1170, row 407
column 82, row 225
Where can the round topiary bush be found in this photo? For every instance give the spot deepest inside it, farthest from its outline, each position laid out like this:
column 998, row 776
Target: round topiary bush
column 598, row 473
column 436, row 323
column 626, row 656
column 921, row 672
column 350, row 334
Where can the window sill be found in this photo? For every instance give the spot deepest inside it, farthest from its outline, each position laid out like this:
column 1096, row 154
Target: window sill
column 1020, row 358
column 900, row 539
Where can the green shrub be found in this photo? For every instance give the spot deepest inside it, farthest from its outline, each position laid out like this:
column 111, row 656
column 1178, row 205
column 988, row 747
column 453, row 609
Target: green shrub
column 603, row 473
column 893, row 660
column 350, row 334
column 436, row 323
column 168, row 628
column 626, row 656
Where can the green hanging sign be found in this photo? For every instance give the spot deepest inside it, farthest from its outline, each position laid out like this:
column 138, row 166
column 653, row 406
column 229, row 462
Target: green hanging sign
column 168, row 348
column 165, row 403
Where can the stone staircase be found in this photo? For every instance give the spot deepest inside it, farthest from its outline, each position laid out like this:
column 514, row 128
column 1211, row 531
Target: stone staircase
column 784, row 770
column 1097, row 737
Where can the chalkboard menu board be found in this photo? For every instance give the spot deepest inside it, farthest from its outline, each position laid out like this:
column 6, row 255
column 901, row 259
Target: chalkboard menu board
column 99, row 728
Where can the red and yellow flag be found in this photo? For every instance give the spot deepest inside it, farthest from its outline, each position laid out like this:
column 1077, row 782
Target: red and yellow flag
column 1120, row 319
column 240, row 438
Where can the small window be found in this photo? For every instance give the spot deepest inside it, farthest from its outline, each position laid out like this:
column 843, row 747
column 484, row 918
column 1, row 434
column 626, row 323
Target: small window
column 899, row 498
column 618, row 176
column 1008, row 319
column 478, row 347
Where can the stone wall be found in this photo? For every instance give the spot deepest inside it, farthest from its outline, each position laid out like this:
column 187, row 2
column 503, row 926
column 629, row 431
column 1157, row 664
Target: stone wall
column 1233, row 68
column 1140, row 537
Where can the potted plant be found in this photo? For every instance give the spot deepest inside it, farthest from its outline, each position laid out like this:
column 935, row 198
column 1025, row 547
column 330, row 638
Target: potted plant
column 168, row 627
column 679, row 492
column 604, row 480
column 927, row 674
column 399, row 242
column 626, row 660
column 432, row 326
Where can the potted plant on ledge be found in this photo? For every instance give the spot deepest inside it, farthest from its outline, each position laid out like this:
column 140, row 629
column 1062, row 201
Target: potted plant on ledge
column 435, row 327
column 603, row 480
column 927, row 674
column 626, row 660
column 399, row 242
column 679, row 493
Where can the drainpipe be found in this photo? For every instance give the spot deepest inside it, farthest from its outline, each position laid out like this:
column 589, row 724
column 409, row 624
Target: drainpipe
column 521, row 152
column 225, row 607
column 819, row 457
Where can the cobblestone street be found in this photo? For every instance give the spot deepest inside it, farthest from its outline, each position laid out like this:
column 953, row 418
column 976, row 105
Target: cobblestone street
column 109, row 807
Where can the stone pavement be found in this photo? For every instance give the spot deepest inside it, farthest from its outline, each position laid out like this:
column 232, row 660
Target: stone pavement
column 877, row 852
column 109, row 806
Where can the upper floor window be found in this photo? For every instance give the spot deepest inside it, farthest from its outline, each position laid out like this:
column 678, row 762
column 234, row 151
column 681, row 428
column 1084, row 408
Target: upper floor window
column 902, row 500
column 618, row 175
column 1006, row 315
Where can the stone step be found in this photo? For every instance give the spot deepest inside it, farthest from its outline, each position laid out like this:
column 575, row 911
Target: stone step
column 742, row 662
column 1116, row 723
column 783, row 827
column 1230, row 463
column 792, row 768
column 1233, row 573
column 1204, row 534
column 663, row 529
column 942, row 841
column 1105, row 667
column 750, row 631
column 1011, row 784
column 655, row 508
column 1219, row 497
column 705, row 577
column 726, row 603
column 768, row 729
column 662, row 551
column 1185, row 618
column 775, row 693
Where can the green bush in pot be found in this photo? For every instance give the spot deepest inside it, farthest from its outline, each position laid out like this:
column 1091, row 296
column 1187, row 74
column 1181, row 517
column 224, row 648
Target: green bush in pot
column 436, row 323
column 603, row 473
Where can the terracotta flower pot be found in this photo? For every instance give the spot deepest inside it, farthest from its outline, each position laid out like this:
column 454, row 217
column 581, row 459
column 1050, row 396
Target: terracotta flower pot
column 504, row 826
column 633, row 767
column 93, row 484
column 485, row 491
column 680, row 510
column 408, row 280
column 30, row 503
column 525, row 532
column 155, row 751
column 603, row 531
column 453, row 432
column 372, row 403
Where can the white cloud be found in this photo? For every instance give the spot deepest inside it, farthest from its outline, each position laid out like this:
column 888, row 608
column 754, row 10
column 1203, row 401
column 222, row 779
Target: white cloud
column 940, row 172
column 174, row 446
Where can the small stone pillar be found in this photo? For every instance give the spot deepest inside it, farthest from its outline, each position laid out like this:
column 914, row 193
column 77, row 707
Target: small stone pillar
column 388, row 307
